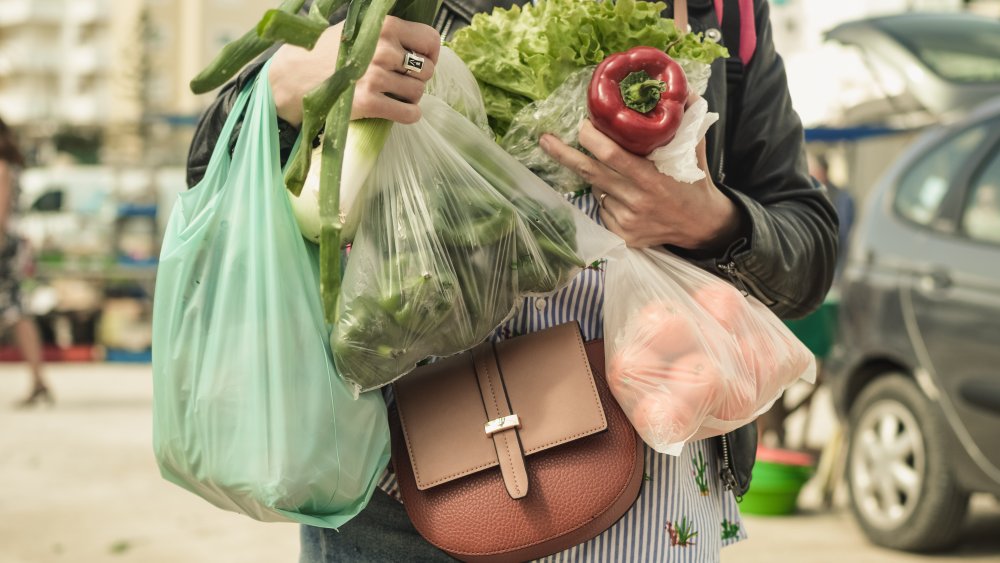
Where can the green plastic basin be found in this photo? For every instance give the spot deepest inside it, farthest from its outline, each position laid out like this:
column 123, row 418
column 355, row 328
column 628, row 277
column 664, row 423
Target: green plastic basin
column 775, row 488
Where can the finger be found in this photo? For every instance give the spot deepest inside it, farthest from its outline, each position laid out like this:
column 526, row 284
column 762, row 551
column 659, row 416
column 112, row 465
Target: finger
column 703, row 156
column 411, row 36
column 611, row 154
column 389, row 55
column 588, row 169
column 375, row 103
column 611, row 223
column 395, row 85
column 400, row 112
column 426, row 72
column 691, row 99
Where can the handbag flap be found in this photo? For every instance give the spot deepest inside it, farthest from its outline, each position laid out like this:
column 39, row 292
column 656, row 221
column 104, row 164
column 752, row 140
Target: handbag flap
column 550, row 388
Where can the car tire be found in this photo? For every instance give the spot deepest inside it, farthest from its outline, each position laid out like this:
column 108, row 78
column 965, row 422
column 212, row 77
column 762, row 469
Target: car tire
column 903, row 493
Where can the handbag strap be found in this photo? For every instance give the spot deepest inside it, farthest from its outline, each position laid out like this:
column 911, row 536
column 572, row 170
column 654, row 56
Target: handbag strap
column 503, row 422
column 681, row 15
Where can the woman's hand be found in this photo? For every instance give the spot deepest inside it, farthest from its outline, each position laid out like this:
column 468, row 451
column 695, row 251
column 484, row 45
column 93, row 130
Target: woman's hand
column 384, row 91
column 643, row 206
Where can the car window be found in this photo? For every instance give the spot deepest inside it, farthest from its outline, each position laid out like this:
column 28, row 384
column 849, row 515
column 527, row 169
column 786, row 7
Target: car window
column 981, row 218
column 924, row 186
column 959, row 49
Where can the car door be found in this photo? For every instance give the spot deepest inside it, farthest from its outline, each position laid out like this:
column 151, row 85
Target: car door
column 950, row 299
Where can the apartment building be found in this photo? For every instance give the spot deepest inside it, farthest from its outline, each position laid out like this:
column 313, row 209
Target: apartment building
column 112, row 72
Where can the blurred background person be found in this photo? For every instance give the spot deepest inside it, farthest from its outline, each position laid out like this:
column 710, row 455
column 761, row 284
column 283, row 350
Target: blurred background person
column 12, row 252
column 843, row 201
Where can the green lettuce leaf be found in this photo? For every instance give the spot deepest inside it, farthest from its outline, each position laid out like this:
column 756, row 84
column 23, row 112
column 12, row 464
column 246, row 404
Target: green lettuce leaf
column 521, row 55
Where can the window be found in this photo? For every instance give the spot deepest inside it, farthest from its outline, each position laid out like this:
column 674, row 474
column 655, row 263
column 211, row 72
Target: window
column 981, row 218
column 961, row 49
column 924, row 187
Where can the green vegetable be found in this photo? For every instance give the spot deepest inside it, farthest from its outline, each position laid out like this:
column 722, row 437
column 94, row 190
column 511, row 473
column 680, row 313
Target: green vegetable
column 554, row 38
column 329, row 105
column 376, row 330
column 237, row 54
column 365, row 139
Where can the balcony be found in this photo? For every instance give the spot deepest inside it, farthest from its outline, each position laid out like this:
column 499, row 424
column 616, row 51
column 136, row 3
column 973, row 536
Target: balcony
column 87, row 12
column 86, row 60
column 21, row 12
column 20, row 108
column 26, row 58
column 82, row 110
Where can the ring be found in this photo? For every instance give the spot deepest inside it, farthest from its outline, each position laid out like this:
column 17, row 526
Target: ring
column 600, row 200
column 413, row 63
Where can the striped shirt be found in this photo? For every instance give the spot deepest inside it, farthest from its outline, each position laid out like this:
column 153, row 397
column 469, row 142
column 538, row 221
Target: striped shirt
column 683, row 513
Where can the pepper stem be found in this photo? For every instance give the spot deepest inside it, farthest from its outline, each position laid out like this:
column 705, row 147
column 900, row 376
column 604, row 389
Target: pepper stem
column 641, row 91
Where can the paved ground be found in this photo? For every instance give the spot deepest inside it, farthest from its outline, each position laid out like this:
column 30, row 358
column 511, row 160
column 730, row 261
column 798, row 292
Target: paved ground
column 78, row 484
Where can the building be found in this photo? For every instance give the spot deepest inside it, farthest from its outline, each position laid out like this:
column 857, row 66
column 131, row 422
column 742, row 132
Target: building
column 107, row 79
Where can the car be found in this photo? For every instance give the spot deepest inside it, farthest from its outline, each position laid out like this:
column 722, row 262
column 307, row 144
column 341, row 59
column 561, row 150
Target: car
column 939, row 65
column 915, row 371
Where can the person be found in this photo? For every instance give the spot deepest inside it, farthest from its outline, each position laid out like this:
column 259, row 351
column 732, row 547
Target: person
column 12, row 312
column 757, row 220
column 843, row 202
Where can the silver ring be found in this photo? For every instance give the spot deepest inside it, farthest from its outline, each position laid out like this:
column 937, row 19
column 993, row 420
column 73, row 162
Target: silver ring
column 600, row 200
column 413, row 63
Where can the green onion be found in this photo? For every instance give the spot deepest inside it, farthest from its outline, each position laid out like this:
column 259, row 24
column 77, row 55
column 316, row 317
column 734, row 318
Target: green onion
column 327, row 107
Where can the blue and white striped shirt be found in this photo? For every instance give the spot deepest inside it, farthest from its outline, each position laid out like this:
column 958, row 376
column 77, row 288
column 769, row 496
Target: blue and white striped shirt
column 683, row 513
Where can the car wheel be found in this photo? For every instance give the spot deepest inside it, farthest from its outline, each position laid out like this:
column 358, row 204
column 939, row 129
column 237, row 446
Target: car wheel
column 902, row 491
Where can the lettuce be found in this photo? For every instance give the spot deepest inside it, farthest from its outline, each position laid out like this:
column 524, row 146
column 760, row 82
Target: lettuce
column 521, row 55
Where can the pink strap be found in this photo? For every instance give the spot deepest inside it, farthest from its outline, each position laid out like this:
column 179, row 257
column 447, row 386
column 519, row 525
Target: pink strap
column 681, row 15
column 748, row 28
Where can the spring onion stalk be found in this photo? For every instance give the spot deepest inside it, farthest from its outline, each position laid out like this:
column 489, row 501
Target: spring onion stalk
column 365, row 139
column 289, row 28
column 237, row 54
column 327, row 107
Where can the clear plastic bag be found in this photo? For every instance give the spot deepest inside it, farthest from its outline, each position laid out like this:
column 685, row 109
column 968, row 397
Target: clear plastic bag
column 561, row 114
column 689, row 357
column 248, row 409
column 457, row 232
column 454, row 84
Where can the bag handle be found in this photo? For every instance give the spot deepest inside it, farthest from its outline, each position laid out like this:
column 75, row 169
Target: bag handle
column 221, row 150
column 681, row 15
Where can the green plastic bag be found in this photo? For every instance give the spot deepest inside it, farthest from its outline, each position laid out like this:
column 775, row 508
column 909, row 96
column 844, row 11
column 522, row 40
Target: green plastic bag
column 249, row 412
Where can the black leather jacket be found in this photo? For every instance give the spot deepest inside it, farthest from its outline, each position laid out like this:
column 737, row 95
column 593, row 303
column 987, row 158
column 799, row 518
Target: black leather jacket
column 787, row 252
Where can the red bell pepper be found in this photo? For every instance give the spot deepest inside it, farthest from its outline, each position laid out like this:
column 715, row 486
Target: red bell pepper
column 637, row 98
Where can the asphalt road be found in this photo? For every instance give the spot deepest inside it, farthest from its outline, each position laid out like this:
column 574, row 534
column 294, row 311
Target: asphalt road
column 78, row 484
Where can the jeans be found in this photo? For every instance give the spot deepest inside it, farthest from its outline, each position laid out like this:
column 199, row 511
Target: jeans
column 381, row 533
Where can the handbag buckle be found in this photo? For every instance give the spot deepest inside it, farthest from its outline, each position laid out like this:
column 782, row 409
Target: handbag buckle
column 503, row 423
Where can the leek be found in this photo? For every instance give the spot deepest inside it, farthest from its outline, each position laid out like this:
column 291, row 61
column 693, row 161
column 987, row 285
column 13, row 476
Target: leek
column 327, row 106
column 365, row 139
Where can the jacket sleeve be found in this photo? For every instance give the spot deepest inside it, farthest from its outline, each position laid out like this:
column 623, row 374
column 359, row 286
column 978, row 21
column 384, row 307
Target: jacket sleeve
column 210, row 125
column 788, row 255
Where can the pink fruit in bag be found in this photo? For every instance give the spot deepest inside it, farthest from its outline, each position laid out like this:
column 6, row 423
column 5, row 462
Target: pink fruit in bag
column 665, row 329
column 665, row 400
column 724, row 302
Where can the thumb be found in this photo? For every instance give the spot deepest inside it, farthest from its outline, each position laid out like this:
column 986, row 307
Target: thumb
column 702, row 156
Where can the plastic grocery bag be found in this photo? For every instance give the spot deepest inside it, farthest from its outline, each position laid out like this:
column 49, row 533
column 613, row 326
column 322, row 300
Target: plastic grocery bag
column 562, row 113
column 454, row 84
column 457, row 233
column 249, row 412
column 689, row 357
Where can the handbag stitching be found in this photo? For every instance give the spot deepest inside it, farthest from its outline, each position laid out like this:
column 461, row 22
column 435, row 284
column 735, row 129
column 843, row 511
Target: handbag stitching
column 618, row 496
column 463, row 473
column 560, row 534
column 489, row 382
column 621, row 492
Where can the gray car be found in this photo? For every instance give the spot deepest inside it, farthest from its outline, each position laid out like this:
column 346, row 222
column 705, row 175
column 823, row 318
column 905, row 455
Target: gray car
column 916, row 370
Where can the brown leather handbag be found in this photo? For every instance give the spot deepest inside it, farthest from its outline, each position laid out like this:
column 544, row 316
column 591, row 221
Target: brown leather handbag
column 514, row 451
